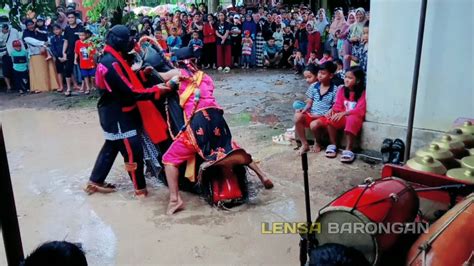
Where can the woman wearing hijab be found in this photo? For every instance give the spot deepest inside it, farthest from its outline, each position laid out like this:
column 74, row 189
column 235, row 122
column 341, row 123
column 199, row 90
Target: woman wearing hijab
column 322, row 22
column 347, row 47
column 321, row 25
column 42, row 71
column 339, row 24
column 357, row 28
column 355, row 33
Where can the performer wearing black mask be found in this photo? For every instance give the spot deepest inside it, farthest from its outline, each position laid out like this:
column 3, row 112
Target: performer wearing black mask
column 122, row 99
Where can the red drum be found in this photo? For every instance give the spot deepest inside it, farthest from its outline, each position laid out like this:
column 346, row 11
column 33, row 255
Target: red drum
column 354, row 218
column 449, row 241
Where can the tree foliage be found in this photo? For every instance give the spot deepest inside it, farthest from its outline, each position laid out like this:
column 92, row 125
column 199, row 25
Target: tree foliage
column 102, row 7
column 24, row 8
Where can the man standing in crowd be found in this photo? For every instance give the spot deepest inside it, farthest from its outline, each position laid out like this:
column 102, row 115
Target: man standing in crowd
column 7, row 36
column 70, row 37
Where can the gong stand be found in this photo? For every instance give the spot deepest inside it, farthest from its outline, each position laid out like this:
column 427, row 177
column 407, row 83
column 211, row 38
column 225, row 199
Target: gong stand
column 453, row 190
column 8, row 215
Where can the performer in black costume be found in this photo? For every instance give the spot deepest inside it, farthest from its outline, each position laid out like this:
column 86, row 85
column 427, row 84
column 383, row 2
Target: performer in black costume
column 120, row 93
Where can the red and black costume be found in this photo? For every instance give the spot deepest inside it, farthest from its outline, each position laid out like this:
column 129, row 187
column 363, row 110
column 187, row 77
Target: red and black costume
column 125, row 109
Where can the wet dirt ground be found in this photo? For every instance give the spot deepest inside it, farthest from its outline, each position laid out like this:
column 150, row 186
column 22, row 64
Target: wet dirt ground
column 52, row 143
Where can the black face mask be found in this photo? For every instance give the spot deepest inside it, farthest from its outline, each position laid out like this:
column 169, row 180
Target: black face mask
column 119, row 38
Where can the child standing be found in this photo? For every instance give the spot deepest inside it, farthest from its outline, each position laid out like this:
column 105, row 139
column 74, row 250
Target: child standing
column 278, row 36
column 247, row 45
column 348, row 113
column 84, row 54
column 339, row 44
column 20, row 67
column 174, row 42
column 57, row 45
column 161, row 40
column 196, row 44
column 288, row 36
column 321, row 97
column 236, row 40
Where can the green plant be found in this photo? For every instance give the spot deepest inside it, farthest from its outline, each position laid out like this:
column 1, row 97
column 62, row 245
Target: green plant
column 102, row 7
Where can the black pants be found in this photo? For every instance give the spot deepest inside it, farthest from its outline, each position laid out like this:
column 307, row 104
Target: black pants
column 208, row 55
column 69, row 66
column 132, row 152
column 21, row 80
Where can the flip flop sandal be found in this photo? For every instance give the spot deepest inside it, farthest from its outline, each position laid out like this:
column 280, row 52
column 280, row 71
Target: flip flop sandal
column 331, row 151
column 280, row 139
column 347, row 156
column 87, row 92
column 398, row 151
column 67, row 94
column 386, row 150
column 290, row 135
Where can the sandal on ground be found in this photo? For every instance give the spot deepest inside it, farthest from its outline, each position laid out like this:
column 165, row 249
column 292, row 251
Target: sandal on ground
column 331, row 151
column 386, row 150
column 347, row 156
column 92, row 187
column 280, row 139
column 268, row 184
column 67, row 93
column 398, row 151
column 290, row 135
column 87, row 92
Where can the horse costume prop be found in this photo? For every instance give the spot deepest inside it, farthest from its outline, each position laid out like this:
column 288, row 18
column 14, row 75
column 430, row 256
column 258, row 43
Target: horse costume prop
column 217, row 168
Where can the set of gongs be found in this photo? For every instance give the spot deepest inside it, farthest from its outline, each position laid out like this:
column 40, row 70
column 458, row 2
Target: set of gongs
column 452, row 154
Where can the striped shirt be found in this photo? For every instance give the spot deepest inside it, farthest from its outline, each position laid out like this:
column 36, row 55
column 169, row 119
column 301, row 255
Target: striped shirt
column 321, row 103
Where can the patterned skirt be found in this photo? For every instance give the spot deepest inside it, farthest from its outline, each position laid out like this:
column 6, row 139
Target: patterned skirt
column 211, row 134
column 259, row 49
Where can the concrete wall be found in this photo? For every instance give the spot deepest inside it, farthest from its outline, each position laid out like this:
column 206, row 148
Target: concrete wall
column 446, row 86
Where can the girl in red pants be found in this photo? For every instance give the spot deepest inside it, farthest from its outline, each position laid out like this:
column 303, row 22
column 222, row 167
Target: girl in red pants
column 224, row 52
column 348, row 113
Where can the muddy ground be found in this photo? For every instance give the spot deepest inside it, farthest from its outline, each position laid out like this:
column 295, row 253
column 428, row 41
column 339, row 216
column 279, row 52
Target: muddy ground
column 52, row 144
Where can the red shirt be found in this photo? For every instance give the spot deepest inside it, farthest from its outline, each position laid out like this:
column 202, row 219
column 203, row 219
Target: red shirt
column 163, row 44
column 209, row 33
column 85, row 52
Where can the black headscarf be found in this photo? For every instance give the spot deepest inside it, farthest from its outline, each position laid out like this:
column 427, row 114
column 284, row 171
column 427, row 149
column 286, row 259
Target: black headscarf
column 119, row 39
